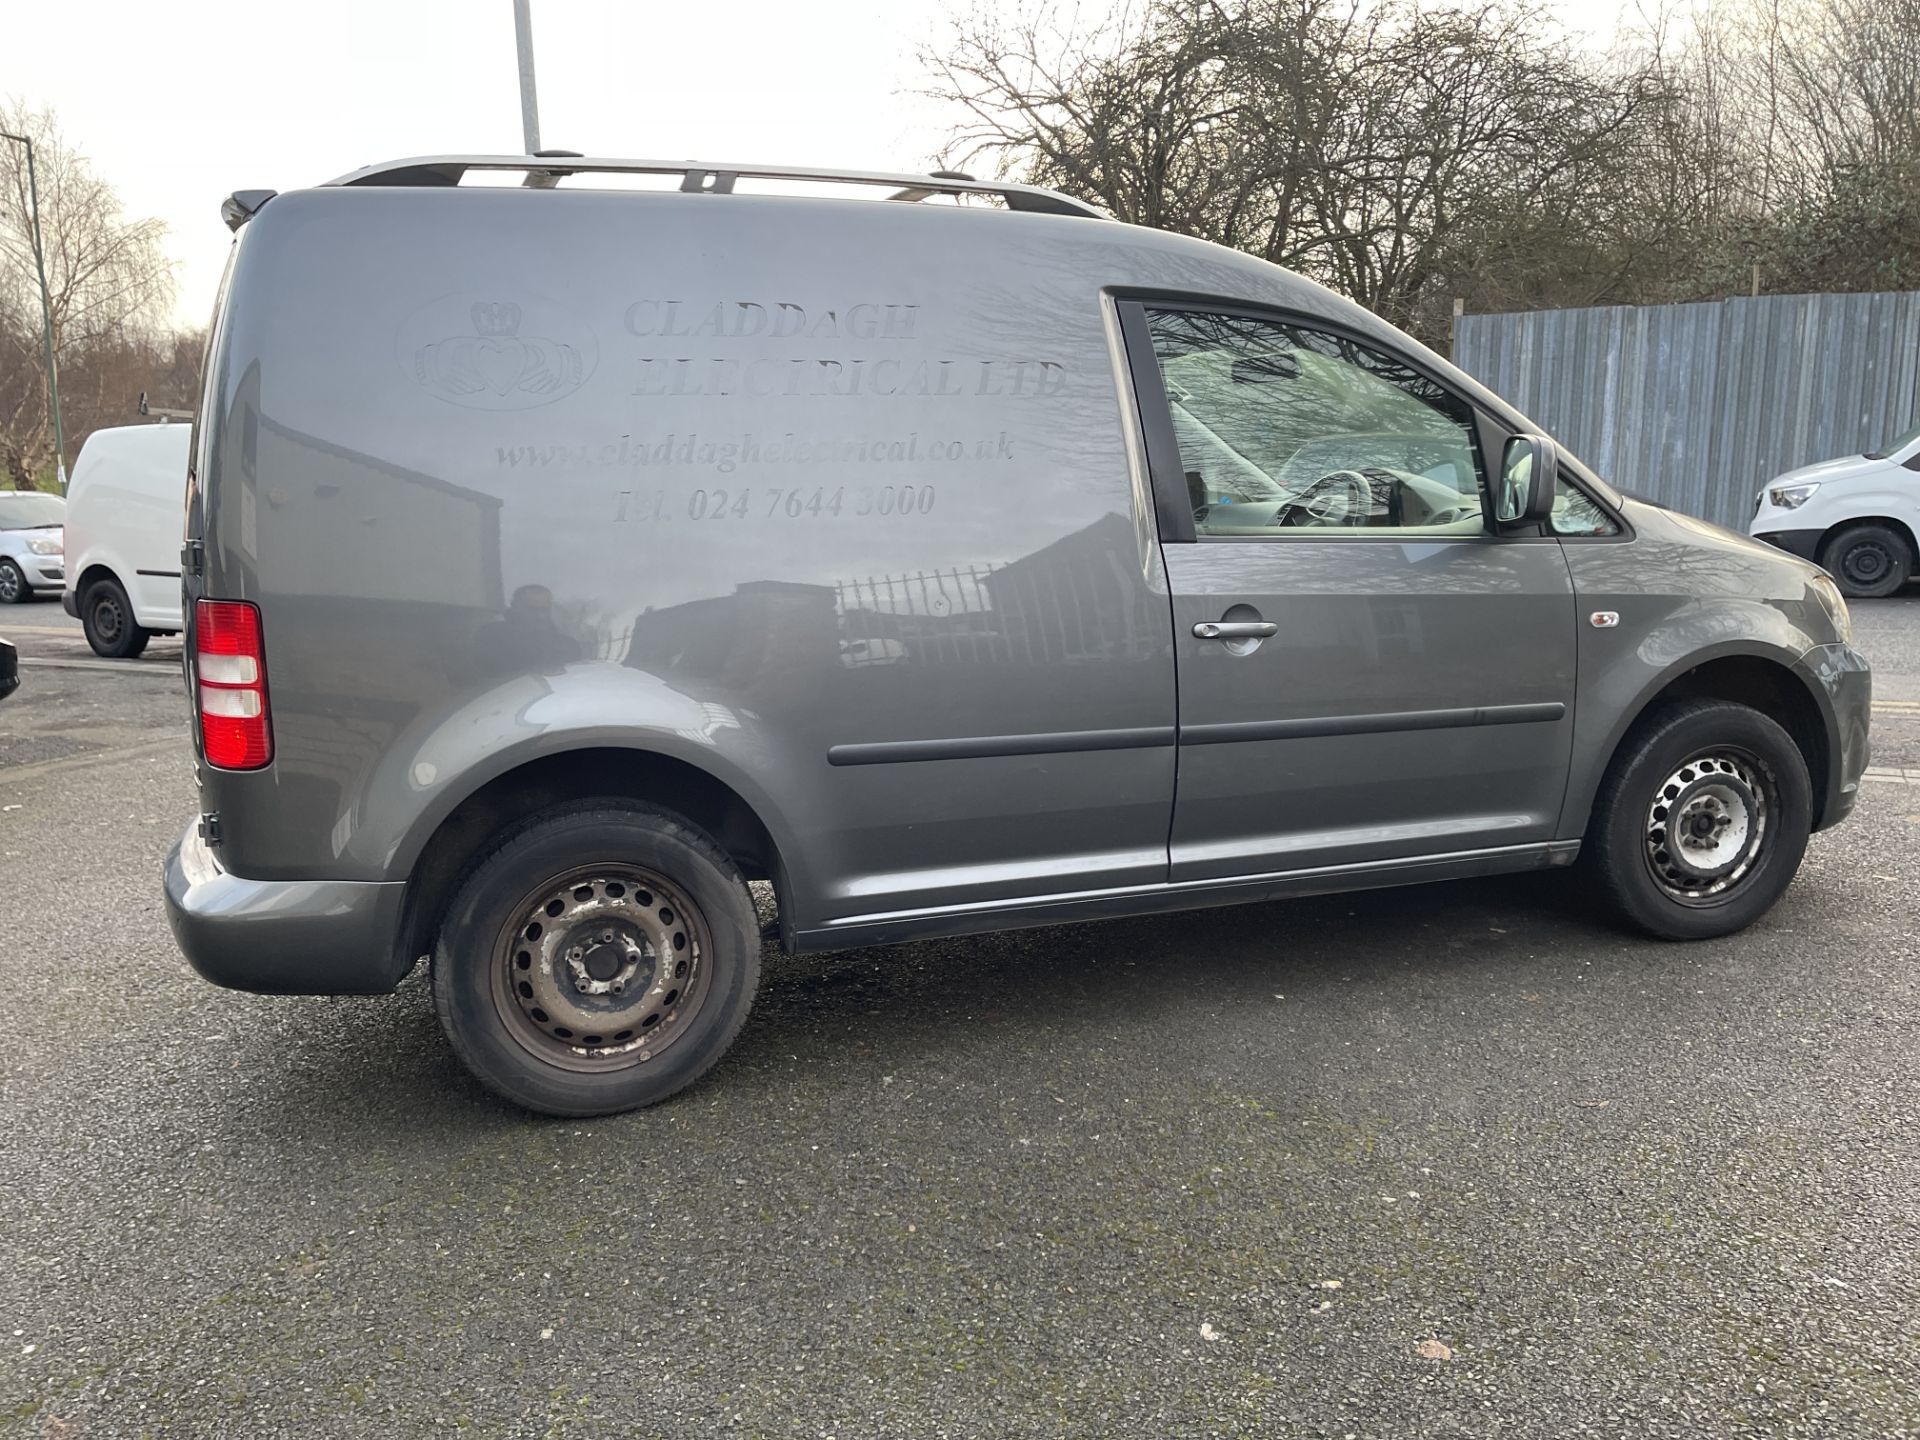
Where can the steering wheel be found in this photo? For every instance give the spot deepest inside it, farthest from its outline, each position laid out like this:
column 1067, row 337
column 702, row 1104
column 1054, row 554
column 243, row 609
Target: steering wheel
column 1342, row 499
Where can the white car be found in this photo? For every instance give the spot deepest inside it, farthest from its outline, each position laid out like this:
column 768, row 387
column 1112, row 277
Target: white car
column 1857, row 516
column 123, row 536
column 30, row 553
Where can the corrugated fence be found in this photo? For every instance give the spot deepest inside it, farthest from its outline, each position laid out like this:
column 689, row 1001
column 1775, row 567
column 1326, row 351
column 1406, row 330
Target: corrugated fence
column 1697, row 406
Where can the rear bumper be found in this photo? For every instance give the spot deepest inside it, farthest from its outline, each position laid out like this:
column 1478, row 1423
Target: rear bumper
column 1843, row 681
column 287, row 937
column 1804, row 543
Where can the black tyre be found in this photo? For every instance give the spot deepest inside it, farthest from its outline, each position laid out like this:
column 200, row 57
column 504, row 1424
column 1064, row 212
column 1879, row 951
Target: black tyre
column 107, row 617
column 1869, row 562
column 14, row 589
column 601, row 958
column 1701, row 821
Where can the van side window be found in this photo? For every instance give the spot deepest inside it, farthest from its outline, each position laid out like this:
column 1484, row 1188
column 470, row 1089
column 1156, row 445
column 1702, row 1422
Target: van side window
column 1285, row 431
column 1576, row 513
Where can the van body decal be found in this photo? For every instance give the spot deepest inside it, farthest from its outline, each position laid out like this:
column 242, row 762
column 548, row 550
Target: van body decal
column 489, row 352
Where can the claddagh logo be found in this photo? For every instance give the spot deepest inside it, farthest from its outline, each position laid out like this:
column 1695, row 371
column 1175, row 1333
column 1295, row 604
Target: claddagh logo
column 496, row 354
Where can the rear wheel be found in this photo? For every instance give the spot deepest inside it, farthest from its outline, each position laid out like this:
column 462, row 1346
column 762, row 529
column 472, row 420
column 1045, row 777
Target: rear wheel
column 600, row 959
column 13, row 583
column 1869, row 562
column 107, row 617
column 1701, row 821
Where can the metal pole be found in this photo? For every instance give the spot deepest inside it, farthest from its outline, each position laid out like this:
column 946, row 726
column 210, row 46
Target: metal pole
column 529, row 99
column 46, row 314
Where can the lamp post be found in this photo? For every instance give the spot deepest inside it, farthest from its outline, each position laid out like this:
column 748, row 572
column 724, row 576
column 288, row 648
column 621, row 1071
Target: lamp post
column 46, row 316
column 529, row 101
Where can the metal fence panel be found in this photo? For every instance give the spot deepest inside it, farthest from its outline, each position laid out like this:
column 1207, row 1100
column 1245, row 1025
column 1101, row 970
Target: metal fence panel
column 1698, row 406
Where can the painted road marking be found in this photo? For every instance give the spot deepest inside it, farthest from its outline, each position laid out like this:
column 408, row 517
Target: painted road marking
column 1891, row 776
column 162, row 666
column 149, row 749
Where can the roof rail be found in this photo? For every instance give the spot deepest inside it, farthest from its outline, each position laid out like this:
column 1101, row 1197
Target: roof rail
column 712, row 179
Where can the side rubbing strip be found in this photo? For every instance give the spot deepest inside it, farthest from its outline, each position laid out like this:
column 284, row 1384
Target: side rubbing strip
column 980, row 747
column 1370, row 724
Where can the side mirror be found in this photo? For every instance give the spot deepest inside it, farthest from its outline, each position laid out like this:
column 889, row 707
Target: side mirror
column 1528, row 473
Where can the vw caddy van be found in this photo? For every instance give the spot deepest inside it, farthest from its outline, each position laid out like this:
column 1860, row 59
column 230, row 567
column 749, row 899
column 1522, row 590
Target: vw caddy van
column 562, row 557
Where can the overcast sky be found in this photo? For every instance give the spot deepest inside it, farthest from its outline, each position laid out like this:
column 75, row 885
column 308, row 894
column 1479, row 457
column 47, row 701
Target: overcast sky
column 179, row 104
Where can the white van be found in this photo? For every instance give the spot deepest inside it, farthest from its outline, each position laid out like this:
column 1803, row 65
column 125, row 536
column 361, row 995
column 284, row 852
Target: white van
column 123, row 536
column 1857, row 516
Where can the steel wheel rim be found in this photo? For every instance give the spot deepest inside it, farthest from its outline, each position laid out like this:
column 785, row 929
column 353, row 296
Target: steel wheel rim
column 9, row 582
column 603, row 968
column 1867, row 562
column 1707, row 828
column 107, row 619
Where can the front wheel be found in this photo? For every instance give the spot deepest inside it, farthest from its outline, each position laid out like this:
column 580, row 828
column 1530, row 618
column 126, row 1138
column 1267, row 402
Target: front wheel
column 1870, row 562
column 601, row 959
column 13, row 583
column 1701, row 821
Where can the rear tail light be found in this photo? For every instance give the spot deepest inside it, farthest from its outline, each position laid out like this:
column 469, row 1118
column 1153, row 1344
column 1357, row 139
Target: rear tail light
column 235, row 730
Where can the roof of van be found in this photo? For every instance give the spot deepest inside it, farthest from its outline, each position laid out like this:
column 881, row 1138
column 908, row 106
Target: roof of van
column 141, row 444
column 111, row 435
column 547, row 168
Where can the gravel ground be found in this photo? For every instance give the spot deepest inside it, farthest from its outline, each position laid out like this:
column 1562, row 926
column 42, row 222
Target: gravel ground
column 1448, row 1161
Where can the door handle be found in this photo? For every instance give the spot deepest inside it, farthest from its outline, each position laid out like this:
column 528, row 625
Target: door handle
column 1235, row 629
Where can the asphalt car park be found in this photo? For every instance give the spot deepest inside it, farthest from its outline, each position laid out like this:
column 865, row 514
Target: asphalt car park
column 1451, row 1160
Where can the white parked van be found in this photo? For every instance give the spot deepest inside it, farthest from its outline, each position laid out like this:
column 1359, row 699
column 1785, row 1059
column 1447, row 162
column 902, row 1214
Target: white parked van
column 1857, row 516
column 123, row 536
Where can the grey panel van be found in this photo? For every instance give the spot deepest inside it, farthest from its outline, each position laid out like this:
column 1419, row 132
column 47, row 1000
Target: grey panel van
column 563, row 556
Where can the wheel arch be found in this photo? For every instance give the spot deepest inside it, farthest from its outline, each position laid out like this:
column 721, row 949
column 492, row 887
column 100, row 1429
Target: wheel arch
column 437, row 858
column 1763, row 680
column 96, row 570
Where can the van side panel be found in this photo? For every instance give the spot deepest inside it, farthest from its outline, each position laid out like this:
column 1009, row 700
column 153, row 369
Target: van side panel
column 830, row 499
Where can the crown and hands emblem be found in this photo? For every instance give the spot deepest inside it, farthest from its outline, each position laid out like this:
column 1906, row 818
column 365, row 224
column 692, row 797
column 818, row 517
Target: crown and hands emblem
column 497, row 359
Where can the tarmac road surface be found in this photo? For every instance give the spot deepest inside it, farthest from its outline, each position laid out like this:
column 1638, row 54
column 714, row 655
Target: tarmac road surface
column 1450, row 1161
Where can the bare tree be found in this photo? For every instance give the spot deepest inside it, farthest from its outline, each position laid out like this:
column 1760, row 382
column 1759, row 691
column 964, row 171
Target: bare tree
column 1407, row 153
column 1802, row 138
column 108, row 280
column 1355, row 140
column 1850, row 81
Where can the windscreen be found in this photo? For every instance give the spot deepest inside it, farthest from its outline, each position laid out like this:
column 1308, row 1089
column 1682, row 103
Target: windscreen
column 1897, row 446
column 31, row 510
